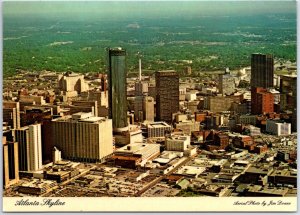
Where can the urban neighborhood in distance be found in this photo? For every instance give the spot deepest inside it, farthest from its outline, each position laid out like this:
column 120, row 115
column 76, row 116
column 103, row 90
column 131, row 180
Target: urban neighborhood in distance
column 149, row 99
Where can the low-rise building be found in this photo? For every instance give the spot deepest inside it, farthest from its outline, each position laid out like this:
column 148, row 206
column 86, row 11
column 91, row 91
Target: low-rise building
column 156, row 129
column 135, row 154
column 278, row 127
column 36, row 187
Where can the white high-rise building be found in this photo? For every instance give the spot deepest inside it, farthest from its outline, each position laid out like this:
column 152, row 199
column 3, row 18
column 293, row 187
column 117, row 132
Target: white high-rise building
column 83, row 137
column 35, row 147
column 30, row 147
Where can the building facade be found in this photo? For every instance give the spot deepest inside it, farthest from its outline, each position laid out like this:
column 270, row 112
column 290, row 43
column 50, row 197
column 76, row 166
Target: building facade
column 262, row 70
column 226, row 84
column 262, row 101
column 167, row 94
column 83, row 137
column 157, row 129
column 144, row 108
column 278, row 128
column 72, row 82
column 141, row 88
column 10, row 162
column 29, row 140
column 219, row 104
column 117, row 88
column 11, row 114
column 148, row 108
column 177, row 143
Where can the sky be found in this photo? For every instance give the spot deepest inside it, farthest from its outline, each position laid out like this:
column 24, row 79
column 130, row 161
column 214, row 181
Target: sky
column 146, row 8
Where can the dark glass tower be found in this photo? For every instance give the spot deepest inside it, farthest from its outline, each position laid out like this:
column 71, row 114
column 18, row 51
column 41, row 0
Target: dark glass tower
column 262, row 75
column 167, row 94
column 117, row 88
column 262, row 70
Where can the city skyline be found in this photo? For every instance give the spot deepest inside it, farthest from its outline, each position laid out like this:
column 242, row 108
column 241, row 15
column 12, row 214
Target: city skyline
column 143, row 103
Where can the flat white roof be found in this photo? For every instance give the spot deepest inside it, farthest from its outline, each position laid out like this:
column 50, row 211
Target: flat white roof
column 191, row 170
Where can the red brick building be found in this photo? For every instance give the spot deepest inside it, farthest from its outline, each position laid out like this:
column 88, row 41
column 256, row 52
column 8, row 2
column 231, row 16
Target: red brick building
column 262, row 101
column 200, row 117
column 242, row 142
column 220, row 141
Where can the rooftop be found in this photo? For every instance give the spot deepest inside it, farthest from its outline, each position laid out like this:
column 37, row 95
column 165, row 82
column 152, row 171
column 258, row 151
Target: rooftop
column 137, row 148
column 157, row 125
column 81, row 117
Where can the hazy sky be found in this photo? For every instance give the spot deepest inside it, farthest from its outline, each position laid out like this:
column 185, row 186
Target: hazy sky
column 116, row 8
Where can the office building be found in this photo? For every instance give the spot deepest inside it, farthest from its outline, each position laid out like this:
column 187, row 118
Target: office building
column 143, row 104
column 187, row 127
column 193, row 106
column 254, row 131
column 141, row 88
column 11, row 114
column 226, row 84
column 278, row 127
column 36, row 187
column 156, row 129
column 72, row 84
column 83, row 137
column 262, row 101
column 218, row 104
column 177, row 143
column 102, row 101
column 148, row 108
column 167, row 94
column 220, row 142
column 241, row 108
column 246, row 119
column 10, row 117
column 288, row 96
column 30, row 147
column 117, row 89
column 135, row 154
column 92, row 104
column 138, row 108
column 144, row 108
column 133, row 135
column 262, row 70
column 38, row 100
column 288, row 90
column 10, row 162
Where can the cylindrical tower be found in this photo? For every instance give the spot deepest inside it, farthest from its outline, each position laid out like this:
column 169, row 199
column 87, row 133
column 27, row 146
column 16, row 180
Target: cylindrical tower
column 117, row 88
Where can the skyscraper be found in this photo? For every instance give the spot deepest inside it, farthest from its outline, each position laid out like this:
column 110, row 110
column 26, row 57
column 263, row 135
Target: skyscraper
column 117, row 88
column 148, row 108
column 262, row 70
column 30, row 147
column 10, row 162
column 167, row 94
column 144, row 108
column 83, row 137
column 262, row 75
column 11, row 113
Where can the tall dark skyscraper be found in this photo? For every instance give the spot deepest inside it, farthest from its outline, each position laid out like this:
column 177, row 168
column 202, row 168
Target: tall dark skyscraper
column 167, row 94
column 262, row 70
column 262, row 75
column 117, row 88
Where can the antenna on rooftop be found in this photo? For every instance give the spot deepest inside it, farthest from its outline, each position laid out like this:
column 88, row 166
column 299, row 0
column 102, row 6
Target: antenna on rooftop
column 140, row 65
